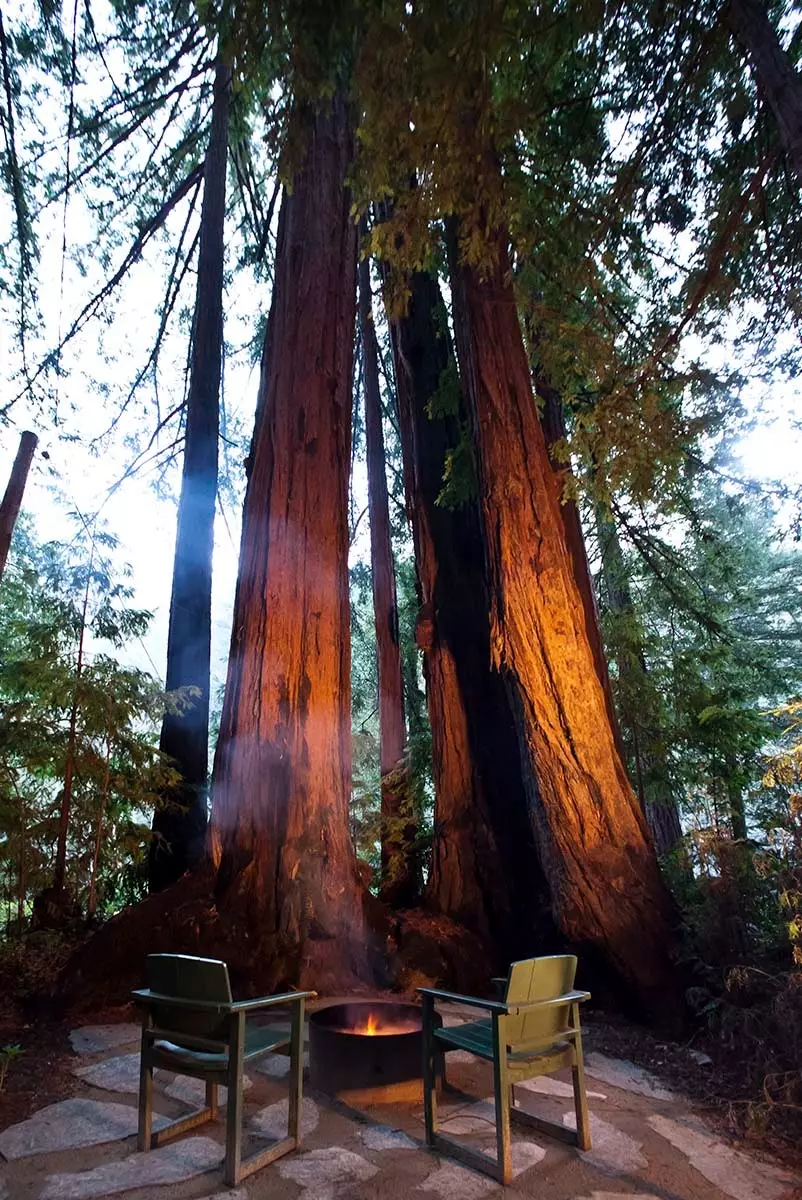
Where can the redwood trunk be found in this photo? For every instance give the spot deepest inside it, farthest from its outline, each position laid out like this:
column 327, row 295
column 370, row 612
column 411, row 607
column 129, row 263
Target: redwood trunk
column 399, row 886
column 777, row 80
column 651, row 769
column 594, row 845
column 553, row 422
column 180, row 824
column 12, row 498
column 484, row 871
column 282, row 772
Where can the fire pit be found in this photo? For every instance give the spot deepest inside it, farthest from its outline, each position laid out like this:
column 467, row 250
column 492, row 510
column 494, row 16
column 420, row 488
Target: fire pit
column 367, row 1051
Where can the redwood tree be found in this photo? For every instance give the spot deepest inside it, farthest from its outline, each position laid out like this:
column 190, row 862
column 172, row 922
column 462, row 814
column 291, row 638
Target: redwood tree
column 484, row 871
column 592, row 837
column 179, row 825
column 282, row 772
column 399, row 881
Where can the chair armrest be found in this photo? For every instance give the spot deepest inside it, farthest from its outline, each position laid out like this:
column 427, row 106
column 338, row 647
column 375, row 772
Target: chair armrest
column 493, row 1006
column 269, row 1001
column 552, row 1002
column 145, row 997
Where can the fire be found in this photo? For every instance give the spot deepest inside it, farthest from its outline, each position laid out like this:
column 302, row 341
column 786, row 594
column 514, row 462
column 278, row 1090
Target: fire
column 369, row 1027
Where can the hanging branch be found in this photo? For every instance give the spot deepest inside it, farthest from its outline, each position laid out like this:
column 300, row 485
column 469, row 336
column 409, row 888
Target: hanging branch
column 134, row 252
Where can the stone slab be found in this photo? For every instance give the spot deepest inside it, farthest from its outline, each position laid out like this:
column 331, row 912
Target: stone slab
column 94, row 1039
column 625, row 1075
column 547, row 1085
column 453, row 1182
column 119, row 1074
column 733, row 1172
column 323, row 1174
column 613, row 1151
column 271, row 1122
column 69, row 1124
column 384, row 1137
column 193, row 1091
column 169, row 1164
column 277, row 1065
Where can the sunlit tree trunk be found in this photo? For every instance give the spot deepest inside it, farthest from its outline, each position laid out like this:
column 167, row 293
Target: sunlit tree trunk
column 179, row 824
column 484, row 870
column 778, row 82
column 12, row 497
column 399, row 882
column 645, row 750
column 592, row 837
column 101, row 813
column 282, row 772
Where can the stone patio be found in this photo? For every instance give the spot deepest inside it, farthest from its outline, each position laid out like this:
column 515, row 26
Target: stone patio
column 647, row 1144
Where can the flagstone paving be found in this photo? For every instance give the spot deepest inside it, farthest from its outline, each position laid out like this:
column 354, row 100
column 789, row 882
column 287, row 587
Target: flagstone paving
column 647, row 1145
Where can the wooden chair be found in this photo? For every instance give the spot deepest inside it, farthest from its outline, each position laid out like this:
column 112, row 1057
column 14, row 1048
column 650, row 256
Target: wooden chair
column 191, row 1025
column 533, row 1031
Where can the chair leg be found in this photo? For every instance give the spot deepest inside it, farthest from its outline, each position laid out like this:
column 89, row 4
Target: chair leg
column 232, row 1170
column 211, row 1100
column 296, row 1073
column 580, row 1096
column 429, row 1071
column 145, row 1093
column 503, row 1095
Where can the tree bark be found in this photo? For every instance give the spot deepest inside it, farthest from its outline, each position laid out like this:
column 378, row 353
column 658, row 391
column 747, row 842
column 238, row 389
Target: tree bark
column 12, row 498
column 777, row 80
column 399, row 875
column 604, row 880
column 282, row 772
column 552, row 419
column 484, row 871
column 651, row 769
column 179, row 824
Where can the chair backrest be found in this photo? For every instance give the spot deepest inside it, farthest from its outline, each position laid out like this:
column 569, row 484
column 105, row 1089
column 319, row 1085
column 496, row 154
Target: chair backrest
column 539, row 979
column 188, row 978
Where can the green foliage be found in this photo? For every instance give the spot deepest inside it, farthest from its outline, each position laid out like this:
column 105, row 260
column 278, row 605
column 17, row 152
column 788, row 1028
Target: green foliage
column 8, row 1053
column 65, row 700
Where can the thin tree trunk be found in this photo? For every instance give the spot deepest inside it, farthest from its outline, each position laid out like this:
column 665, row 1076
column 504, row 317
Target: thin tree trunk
column 12, row 498
column 282, row 772
column 21, row 876
column 179, row 824
column 594, row 845
column 777, row 80
column 104, row 796
column 399, row 876
column 484, row 871
column 65, row 803
column 651, row 769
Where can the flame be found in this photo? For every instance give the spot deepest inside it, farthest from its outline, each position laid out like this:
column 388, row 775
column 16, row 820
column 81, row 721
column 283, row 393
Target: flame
column 372, row 1026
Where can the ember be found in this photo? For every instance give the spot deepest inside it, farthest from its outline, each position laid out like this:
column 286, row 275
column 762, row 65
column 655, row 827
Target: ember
column 375, row 1023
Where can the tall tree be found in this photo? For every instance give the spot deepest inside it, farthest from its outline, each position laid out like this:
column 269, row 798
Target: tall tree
column 179, row 825
column 778, row 82
column 15, row 488
column 400, row 885
column 282, row 773
column 592, row 837
column 484, row 870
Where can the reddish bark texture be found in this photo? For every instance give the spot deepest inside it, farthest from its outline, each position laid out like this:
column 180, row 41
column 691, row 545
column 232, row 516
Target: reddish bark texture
column 593, row 842
column 484, row 870
column 399, row 885
column 282, row 772
column 12, row 497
